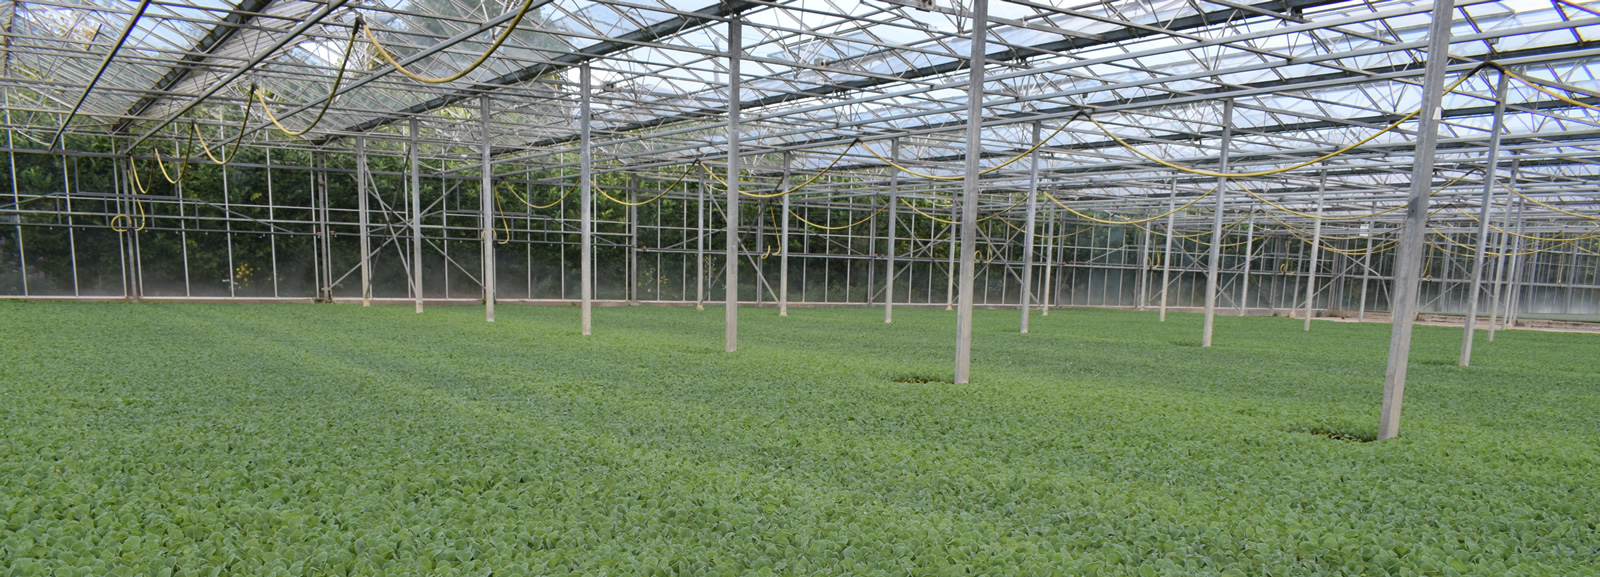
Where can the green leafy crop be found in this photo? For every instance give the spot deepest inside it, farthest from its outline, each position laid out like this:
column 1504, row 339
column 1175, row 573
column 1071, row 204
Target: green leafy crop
column 181, row 439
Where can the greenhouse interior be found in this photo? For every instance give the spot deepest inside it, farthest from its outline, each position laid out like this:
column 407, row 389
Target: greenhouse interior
column 215, row 213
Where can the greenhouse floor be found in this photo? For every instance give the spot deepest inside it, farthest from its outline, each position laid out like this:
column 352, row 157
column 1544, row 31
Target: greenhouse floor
column 294, row 439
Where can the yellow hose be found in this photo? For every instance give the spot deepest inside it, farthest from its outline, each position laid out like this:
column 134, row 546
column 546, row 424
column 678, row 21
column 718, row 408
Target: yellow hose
column 1273, row 171
column 1472, row 251
column 1008, row 162
column 1566, row 212
column 1517, row 234
column 657, row 197
column 504, row 225
column 1542, row 88
column 187, row 152
column 143, row 218
column 349, row 47
column 841, row 227
column 206, row 148
column 1140, row 221
column 504, row 35
column 1447, row 185
column 137, row 184
column 524, row 199
column 792, row 189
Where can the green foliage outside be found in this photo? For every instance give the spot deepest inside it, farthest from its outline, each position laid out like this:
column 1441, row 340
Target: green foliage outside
column 189, row 439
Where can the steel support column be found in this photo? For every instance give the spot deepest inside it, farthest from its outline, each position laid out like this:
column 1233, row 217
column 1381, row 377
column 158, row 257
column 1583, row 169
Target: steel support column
column 1485, row 212
column 1519, row 261
column 632, row 291
column 1025, row 295
column 1166, row 257
column 699, row 245
column 1249, row 251
column 1316, row 248
column 894, row 234
column 1143, row 283
column 783, row 241
column 1409, row 258
column 1214, row 267
column 950, row 269
column 586, row 201
column 416, row 212
column 1051, row 251
column 486, row 208
column 969, row 193
column 1500, row 259
column 1366, row 267
column 730, row 335
column 362, row 220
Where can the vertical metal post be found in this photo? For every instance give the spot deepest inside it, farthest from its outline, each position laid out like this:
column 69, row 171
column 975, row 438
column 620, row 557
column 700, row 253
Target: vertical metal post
column 1249, row 252
column 72, row 237
column 1214, row 267
column 760, row 264
column 969, row 192
column 871, row 254
column 1144, row 270
column 361, row 209
column 316, row 234
column 1409, row 257
column 1316, row 248
column 1027, row 244
column 16, row 195
column 950, row 269
column 585, row 201
column 227, row 235
column 1572, row 275
column 633, row 240
column 1500, row 259
column 730, row 335
column 1166, row 258
column 1366, row 268
column 1051, row 249
column 1485, row 212
column 416, row 213
column 894, row 232
column 320, row 191
column 783, row 242
column 138, row 259
column 1518, row 262
column 125, row 242
column 445, row 189
column 486, row 206
column 699, row 248
column 272, row 216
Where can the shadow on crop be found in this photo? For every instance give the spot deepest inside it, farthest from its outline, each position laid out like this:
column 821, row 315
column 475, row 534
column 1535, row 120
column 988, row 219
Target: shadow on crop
column 1338, row 434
